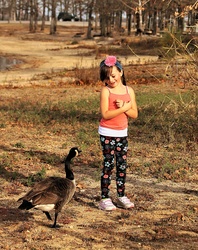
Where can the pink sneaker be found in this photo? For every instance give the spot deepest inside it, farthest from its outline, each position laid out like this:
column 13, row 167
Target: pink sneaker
column 124, row 202
column 106, row 204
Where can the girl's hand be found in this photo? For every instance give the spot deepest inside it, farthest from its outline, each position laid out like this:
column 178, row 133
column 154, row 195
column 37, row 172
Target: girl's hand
column 126, row 106
column 119, row 103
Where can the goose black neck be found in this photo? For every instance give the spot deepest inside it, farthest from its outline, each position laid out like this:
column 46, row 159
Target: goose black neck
column 68, row 171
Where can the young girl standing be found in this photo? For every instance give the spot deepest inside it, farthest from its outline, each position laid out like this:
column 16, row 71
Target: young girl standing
column 117, row 103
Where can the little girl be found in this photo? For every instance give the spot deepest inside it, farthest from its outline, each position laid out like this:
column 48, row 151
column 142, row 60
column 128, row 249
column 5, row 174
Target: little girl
column 117, row 103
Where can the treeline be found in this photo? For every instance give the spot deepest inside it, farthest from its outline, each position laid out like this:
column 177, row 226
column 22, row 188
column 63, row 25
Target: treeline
column 106, row 15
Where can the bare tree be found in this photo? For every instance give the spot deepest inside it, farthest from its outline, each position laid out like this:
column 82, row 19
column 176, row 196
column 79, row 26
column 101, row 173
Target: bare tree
column 149, row 14
column 110, row 15
column 33, row 16
column 12, row 7
column 26, row 9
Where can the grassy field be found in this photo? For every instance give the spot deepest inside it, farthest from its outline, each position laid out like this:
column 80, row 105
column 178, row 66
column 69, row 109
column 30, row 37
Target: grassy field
column 167, row 121
column 39, row 125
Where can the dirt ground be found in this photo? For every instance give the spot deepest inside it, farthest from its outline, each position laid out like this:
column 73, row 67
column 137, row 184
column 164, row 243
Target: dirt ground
column 165, row 214
column 40, row 54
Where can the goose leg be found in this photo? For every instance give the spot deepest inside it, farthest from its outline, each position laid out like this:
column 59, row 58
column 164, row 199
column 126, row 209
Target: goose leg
column 47, row 215
column 55, row 219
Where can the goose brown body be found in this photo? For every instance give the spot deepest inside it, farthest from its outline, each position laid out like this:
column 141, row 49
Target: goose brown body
column 52, row 192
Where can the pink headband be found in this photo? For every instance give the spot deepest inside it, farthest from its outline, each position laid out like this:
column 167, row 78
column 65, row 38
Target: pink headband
column 111, row 61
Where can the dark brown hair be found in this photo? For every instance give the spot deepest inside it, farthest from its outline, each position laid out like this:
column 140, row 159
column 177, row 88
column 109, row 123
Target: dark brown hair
column 105, row 71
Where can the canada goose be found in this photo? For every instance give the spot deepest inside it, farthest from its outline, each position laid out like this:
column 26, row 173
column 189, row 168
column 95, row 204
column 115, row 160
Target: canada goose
column 52, row 192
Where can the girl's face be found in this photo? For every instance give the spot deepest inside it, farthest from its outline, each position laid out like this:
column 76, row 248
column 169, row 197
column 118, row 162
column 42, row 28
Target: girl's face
column 114, row 78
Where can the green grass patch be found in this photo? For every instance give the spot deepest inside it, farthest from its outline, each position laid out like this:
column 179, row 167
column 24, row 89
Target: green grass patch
column 165, row 118
column 33, row 178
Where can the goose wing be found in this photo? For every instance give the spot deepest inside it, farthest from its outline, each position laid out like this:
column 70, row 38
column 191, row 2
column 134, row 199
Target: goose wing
column 39, row 188
column 50, row 190
column 64, row 189
column 45, row 198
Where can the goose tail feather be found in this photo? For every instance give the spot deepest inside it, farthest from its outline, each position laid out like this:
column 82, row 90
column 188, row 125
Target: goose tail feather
column 26, row 205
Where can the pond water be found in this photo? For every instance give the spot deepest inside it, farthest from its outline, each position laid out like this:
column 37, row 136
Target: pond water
column 6, row 63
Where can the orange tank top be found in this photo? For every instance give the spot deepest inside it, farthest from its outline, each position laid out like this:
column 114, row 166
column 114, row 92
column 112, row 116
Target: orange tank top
column 119, row 122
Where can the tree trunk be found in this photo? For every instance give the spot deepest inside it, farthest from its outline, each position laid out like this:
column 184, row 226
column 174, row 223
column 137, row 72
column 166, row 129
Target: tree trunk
column 103, row 25
column 118, row 20
column 154, row 30
column 31, row 26
column 53, row 18
column 129, row 23
column 43, row 16
column 35, row 15
column 160, row 20
column 90, row 10
column 12, row 8
column 26, row 11
column 180, row 20
column 137, row 15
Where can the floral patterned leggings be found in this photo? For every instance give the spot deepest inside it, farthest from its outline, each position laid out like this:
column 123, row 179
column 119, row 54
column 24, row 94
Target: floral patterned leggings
column 113, row 147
